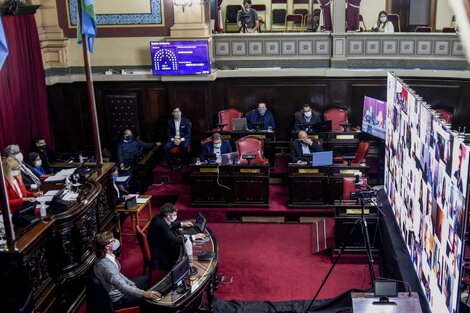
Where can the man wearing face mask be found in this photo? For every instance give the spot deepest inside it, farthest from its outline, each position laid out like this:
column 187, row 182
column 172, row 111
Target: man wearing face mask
column 164, row 240
column 179, row 135
column 247, row 18
column 130, row 149
column 261, row 115
column 306, row 115
column 122, row 291
column 48, row 156
column 30, row 180
column 303, row 145
column 216, row 146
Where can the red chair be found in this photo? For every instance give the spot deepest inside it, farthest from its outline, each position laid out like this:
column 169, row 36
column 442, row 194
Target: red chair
column 251, row 145
column 177, row 150
column 423, row 29
column 445, row 115
column 337, row 117
column 395, row 19
column 226, row 116
column 349, row 186
column 296, row 20
column 449, row 30
column 360, row 155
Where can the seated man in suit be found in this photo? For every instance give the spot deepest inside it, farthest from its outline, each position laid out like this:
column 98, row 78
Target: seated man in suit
column 130, row 149
column 261, row 115
column 216, row 146
column 164, row 240
column 122, row 291
column 303, row 145
column 179, row 135
column 30, row 180
column 307, row 115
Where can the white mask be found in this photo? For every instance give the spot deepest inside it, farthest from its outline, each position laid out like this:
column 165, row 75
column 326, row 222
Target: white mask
column 15, row 173
column 115, row 245
column 38, row 163
column 383, row 19
column 19, row 157
column 308, row 114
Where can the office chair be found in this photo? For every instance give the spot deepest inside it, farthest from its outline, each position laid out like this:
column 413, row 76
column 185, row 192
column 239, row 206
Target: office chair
column 226, row 116
column 361, row 21
column 423, row 29
column 360, row 155
column 395, row 19
column 337, row 116
column 349, row 186
column 278, row 15
column 231, row 12
column 445, row 115
column 296, row 20
column 449, row 30
column 250, row 145
column 97, row 298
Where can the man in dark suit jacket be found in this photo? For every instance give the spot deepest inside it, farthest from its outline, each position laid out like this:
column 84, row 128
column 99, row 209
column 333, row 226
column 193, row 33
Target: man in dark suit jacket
column 216, row 146
column 163, row 239
column 261, row 115
column 179, row 133
column 303, row 145
column 307, row 115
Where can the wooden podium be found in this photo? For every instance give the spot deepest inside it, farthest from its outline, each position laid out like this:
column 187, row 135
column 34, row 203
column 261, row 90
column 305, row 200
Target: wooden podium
column 363, row 303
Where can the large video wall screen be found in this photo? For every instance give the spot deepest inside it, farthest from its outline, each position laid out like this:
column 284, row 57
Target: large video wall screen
column 426, row 175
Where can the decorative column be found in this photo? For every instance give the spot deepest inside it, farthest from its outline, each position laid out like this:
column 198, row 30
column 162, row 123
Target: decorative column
column 192, row 18
column 339, row 34
column 51, row 36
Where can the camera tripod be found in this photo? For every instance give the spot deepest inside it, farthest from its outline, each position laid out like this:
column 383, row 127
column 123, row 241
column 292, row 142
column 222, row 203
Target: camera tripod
column 243, row 15
column 361, row 221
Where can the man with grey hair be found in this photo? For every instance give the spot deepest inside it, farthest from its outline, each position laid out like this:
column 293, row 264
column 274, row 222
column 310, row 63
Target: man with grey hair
column 30, row 180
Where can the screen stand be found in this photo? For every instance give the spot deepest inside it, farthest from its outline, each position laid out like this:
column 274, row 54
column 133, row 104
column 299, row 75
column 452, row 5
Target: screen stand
column 384, row 301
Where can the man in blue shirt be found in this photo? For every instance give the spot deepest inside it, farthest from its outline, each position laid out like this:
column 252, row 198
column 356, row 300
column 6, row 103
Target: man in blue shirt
column 179, row 135
column 261, row 115
column 130, row 149
column 217, row 146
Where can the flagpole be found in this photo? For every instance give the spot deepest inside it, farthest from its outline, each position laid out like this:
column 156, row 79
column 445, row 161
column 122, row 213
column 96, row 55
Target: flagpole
column 7, row 224
column 91, row 92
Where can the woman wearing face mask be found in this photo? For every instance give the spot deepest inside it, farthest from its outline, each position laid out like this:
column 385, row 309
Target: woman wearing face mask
column 216, row 146
column 34, row 159
column 122, row 291
column 18, row 195
column 383, row 24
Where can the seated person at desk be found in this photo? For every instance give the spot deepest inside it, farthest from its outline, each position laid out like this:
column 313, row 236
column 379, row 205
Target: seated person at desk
column 178, row 131
column 35, row 162
column 216, row 146
column 130, row 149
column 306, row 115
column 303, row 145
column 122, row 291
column 247, row 18
column 164, row 240
column 30, row 180
column 18, row 195
column 47, row 155
column 261, row 115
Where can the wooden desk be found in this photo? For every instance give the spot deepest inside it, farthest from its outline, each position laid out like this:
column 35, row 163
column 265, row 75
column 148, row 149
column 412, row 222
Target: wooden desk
column 237, row 134
column 134, row 213
column 205, row 280
column 244, row 185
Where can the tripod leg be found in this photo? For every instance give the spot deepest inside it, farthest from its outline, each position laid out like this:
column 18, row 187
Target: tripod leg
column 365, row 234
column 333, row 265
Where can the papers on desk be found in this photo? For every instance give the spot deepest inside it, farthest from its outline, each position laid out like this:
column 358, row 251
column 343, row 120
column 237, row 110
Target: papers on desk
column 60, row 176
column 141, row 200
column 122, row 179
column 47, row 197
column 70, row 196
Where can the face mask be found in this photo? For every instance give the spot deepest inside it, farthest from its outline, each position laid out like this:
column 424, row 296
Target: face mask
column 115, row 245
column 15, row 173
column 262, row 111
column 38, row 163
column 383, row 19
column 19, row 157
column 128, row 138
column 42, row 147
column 308, row 114
column 217, row 145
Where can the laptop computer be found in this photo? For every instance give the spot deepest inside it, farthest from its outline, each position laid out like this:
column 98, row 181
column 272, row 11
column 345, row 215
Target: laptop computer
column 229, row 158
column 239, row 123
column 322, row 158
column 199, row 227
column 322, row 127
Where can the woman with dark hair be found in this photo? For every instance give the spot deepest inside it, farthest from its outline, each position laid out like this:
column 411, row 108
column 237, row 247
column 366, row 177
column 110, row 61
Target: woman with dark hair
column 34, row 159
column 383, row 24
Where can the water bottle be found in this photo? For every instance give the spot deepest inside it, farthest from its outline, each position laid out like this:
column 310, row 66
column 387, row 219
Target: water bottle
column 42, row 210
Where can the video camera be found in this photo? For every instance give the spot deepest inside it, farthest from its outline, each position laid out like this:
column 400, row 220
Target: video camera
column 363, row 194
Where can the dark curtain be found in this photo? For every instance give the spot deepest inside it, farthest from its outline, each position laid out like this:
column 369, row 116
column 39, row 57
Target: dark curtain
column 24, row 113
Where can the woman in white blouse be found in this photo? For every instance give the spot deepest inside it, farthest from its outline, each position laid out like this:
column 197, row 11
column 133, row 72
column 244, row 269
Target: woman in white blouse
column 383, row 24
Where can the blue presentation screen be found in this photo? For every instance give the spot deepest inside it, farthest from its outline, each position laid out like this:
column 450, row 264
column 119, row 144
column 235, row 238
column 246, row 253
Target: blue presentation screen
column 180, row 57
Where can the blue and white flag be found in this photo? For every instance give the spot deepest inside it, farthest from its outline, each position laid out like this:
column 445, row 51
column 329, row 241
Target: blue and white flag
column 88, row 24
column 3, row 45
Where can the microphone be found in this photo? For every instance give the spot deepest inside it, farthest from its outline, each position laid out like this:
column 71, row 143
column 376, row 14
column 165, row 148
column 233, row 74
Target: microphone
column 399, row 281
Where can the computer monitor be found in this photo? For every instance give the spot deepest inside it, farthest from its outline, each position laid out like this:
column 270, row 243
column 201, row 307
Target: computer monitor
column 180, row 271
column 239, row 123
column 201, row 222
column 229, row 158
column 385, row 288
column 322, row 158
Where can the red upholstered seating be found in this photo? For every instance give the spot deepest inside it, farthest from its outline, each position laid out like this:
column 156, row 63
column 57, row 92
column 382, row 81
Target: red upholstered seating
column 134, row 309
column 445, row 115
column 226, row 116
column 177, row 150
column 251, row 145
column 360, row 155
column 349, row 186
column 423, row 29
column 205, row 140
column 337, row 116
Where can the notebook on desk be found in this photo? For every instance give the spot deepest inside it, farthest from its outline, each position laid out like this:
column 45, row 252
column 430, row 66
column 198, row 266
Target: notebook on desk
column 199, row 227
column 239, row 123
column 322, row 158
